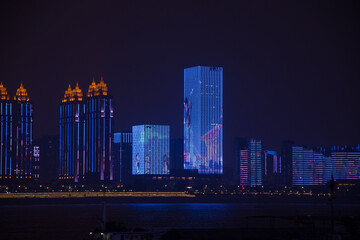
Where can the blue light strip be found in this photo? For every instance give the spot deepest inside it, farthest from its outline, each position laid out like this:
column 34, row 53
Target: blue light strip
column 60, row 149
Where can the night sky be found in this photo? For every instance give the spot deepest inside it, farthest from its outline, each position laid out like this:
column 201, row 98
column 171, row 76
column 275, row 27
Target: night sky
column 291, row 70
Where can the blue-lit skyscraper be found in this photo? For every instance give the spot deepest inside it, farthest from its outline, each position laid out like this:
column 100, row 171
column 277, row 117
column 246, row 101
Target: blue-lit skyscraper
column 203, row 119
column 16, row 133
column 72, row 155
column 86, row 134
column 98, row 132
column 151, row 149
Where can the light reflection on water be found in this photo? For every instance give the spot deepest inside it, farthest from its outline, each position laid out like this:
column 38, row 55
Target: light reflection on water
column 74, row 221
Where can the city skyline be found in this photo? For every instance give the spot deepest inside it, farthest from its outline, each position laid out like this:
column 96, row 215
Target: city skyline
column 277, row 86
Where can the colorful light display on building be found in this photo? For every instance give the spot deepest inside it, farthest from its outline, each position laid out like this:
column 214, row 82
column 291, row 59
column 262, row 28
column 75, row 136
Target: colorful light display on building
column 203, row 119
column 151, row 149
column 346, row 164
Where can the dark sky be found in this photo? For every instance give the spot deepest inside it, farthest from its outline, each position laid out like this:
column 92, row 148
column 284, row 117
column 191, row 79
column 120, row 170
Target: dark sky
column 291, row 69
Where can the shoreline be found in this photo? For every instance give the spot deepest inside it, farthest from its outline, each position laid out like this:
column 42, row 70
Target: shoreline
column 161, row 199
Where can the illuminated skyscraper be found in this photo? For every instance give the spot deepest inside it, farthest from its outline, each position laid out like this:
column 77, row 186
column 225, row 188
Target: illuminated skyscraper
column 151, row 149
column 98, row 132
column 249, row 162
column 16, row 135
column 203, row 114
column 86, row 134
column 72, row 135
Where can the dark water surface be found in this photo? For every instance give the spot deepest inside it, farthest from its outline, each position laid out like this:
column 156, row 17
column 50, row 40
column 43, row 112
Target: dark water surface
column 74, row 221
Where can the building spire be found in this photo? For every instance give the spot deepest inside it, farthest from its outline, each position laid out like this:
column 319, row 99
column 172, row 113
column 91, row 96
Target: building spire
column 3, row 92
column 21, row 94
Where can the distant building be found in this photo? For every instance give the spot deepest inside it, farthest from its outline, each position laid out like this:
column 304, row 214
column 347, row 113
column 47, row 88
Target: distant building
column 272, row 162
column 203, row 124
column 346, row 162
column 176, row 155
column 49, row 158
column 16, row 133
column 249, row 161
column 310, row 167
column 122, row 156
column 272, row 169
column 151, row 149
column 86, row 134
column 36, row 162
column 286, row 162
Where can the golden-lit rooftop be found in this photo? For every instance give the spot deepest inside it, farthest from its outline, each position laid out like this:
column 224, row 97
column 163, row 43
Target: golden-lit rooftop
column 3, row 92
column 21, row 94
column 97, row 89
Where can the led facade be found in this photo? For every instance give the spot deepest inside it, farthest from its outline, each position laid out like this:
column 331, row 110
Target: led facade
column 86, row 134
column 203, row 119
column 151, row 149
column 346, row 164
column 16, row 133
column 310, row 167
column 249, row 158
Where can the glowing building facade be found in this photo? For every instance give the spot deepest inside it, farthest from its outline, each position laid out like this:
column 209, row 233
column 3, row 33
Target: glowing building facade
column 203, row 119
column 310, row 167
column 71, row 135
column 151, row 149
column 16, row 133
column 249, row 162
column 346, row 162
column 86, row 134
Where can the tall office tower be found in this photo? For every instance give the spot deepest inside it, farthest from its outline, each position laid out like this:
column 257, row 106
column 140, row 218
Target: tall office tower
column 151, row 149
column 346, row 162
column 249, row 161
column 122, row 156
column 98, row 132
column 71, row 165
column 203, row 119
column 286, row 162
column 16, row 135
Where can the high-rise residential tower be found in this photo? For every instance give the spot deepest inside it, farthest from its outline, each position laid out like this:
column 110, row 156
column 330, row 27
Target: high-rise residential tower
column 98, row 131
column 71, row 165
column 86, row 134
column 16, row 135
column 203, row 119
